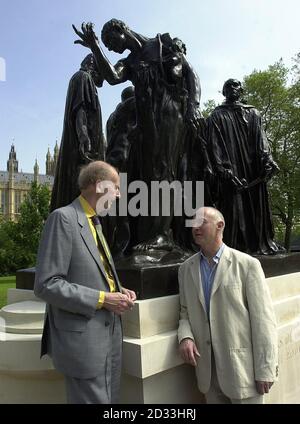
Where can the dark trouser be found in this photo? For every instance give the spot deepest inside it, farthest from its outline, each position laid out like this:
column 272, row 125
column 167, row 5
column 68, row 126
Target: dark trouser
column 105, row 387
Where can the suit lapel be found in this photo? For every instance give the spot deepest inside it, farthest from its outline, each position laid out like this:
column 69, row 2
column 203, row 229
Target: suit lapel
column 222, row 268
column 87, row 236
column 195, row 270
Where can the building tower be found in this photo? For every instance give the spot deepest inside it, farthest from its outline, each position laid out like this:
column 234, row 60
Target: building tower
column 51, row 161
column 12, row 168
column 55, row 157
column 48, row 163
column 12, row 163
column 36, row 171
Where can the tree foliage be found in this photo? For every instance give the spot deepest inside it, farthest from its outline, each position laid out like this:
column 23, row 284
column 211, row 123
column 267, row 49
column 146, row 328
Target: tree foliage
column 276, row 93
column 208, row 107
column 19, row 240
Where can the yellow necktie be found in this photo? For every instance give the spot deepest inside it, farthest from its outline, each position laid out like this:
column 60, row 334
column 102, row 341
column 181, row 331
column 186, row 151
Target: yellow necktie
column 98, row 227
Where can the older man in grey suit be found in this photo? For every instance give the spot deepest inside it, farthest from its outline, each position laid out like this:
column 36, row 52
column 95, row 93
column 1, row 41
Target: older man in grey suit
column 76, row 276
column 227, row 328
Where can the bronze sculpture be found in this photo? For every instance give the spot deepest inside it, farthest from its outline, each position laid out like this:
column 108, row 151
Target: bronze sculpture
column 121, row 153
column 119, row 128
column 167, row 93
column 82, row 138
column 243, row 164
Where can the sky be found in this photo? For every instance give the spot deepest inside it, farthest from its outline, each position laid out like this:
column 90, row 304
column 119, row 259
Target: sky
column 224, row 39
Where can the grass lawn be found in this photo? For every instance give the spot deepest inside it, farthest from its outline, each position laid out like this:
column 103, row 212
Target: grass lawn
column 6, row 283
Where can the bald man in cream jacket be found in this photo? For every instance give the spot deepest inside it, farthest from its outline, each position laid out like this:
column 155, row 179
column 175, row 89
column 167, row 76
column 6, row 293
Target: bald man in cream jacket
column 227, row 328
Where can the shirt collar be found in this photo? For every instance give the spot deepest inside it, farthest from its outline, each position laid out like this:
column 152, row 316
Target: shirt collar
column 217, row 256
column 88, row 210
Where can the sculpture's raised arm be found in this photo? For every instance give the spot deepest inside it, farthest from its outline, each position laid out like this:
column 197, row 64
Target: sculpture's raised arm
column 112, row 74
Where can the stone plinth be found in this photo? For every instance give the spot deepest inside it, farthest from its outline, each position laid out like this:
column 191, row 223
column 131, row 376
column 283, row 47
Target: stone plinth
column 23, row 317
column 153, row 371
column 153, row 280
column 151, row 352
column 152, row 317
column 20, row 295
column 24, row 377
column 285, row 291
column 173, row 386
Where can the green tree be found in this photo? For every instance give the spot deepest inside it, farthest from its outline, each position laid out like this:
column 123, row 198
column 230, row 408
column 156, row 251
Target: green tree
column 8, row 254
column 208, row 107
column 19, row 240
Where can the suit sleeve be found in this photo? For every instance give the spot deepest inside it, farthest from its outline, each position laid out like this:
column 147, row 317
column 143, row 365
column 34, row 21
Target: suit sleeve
column 184, row 328
column 263, row 324
column 54, row 257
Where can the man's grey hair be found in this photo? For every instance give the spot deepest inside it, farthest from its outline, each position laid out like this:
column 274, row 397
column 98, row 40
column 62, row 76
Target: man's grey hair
column 93, row 172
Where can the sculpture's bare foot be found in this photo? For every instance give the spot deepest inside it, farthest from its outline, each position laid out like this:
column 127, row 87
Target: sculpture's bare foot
column 160, row 242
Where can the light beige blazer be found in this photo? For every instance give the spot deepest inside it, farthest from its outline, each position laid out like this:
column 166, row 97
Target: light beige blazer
column 242, row 326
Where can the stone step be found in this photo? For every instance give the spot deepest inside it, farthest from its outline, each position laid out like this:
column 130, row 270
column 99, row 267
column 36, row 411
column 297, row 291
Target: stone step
column 23, row 317
column 284, row 286
column 19, row 295
column 150, row 317
column 287, row 310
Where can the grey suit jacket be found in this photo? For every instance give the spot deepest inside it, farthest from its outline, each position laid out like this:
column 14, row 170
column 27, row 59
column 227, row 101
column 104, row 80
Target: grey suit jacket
column 69, row 276
column 242, row 326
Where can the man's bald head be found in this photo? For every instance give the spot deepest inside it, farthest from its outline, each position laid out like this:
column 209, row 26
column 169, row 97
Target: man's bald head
column 209, row 212
column 208, row 229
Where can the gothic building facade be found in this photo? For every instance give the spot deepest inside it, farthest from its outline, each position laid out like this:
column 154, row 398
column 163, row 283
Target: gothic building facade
column 14, row 185
column 52, row 161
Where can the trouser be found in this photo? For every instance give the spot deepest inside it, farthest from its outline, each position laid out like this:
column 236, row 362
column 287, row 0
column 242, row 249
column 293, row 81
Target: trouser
column 105, row 387
column 215, row 394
